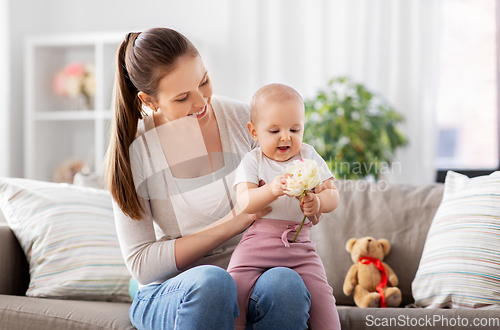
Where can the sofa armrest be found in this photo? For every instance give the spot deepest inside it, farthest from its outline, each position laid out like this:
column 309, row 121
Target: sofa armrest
column 14, row 274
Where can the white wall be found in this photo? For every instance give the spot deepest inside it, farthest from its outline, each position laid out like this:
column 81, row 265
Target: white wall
column 26, row 17
column 203, row 22
column 4, row 92
column 246, row 44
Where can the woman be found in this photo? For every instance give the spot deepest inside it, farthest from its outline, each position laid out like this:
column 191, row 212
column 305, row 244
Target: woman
column 173, row 150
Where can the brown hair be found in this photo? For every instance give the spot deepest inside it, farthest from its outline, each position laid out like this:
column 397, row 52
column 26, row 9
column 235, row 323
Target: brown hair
column 143, row 59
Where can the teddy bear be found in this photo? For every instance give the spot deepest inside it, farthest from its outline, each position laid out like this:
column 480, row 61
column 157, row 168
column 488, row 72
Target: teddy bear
column 373, row 281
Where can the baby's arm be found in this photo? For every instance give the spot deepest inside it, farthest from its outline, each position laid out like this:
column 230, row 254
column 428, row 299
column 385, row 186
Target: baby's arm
column 252, row 198
column 325, row 199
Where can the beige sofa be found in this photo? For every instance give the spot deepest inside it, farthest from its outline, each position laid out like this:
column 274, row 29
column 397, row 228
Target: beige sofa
column 402, row 214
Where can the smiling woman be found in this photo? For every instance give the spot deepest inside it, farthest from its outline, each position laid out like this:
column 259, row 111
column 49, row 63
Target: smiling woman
column 173, row 150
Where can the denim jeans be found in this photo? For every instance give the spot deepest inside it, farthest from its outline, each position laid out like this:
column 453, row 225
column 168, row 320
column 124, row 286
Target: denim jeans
column 205, row 297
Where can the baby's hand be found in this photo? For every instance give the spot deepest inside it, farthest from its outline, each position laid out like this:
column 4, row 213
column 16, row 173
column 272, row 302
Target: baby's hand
column 310, row 204
column 278, row 185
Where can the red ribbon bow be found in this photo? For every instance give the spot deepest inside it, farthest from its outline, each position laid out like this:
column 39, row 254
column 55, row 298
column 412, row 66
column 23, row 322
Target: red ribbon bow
column 383, row 281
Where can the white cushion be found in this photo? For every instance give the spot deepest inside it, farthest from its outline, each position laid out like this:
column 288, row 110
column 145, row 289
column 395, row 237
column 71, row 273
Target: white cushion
column 69, row 238
column 460, row 263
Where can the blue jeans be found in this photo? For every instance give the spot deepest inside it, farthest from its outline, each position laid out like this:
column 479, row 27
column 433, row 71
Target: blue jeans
column 204, row 297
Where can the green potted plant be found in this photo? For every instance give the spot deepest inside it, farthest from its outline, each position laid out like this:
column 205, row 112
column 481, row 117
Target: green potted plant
column 353, row 129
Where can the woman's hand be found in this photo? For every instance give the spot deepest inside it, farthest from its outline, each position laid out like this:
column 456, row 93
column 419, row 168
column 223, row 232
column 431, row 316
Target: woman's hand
column 192, row 247
column 247, row 219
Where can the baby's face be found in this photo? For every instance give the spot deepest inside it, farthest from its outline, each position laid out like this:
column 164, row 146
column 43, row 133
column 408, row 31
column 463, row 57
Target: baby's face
column 279, row 129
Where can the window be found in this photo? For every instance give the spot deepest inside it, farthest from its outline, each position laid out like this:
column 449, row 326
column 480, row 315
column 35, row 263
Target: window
column 467, row 105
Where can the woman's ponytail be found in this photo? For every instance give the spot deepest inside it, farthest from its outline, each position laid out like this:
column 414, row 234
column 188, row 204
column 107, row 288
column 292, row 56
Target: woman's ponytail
column 127, row 112
column 142, row 60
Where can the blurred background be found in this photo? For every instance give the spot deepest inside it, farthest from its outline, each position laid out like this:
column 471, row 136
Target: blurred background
column 434, row 61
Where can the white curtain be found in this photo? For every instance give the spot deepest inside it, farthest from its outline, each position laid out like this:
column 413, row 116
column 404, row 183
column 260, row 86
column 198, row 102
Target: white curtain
column 4, row 91
column 390, row 45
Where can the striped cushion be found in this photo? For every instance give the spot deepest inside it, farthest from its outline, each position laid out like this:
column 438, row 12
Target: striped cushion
column 460, row 263
column 69, row 238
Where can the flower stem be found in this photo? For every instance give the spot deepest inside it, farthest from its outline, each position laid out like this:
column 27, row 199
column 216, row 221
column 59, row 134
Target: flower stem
column 303, row 219
column 298, row 231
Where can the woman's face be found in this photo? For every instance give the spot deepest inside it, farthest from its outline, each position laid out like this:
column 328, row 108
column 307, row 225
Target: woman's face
column 185, row 91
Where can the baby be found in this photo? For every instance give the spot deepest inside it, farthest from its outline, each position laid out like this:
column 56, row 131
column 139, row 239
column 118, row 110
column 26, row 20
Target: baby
column 277, row 123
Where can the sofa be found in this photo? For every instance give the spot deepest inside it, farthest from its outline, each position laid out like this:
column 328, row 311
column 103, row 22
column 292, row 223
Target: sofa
column 400, row 213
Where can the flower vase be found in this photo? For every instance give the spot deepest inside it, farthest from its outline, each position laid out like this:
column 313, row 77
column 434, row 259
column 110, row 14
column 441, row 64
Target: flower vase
column 84, row 102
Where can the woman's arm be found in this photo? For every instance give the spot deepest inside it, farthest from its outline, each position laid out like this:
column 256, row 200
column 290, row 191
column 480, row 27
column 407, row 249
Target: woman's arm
column 150, row 260
column 147, row 259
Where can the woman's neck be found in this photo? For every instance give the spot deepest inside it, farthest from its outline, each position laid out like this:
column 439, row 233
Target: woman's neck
column 191, row 150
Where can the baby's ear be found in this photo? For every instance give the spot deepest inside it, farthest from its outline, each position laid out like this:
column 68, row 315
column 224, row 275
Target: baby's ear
column 252, row 130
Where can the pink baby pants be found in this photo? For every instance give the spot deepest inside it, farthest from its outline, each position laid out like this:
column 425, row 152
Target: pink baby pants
column 267, row 244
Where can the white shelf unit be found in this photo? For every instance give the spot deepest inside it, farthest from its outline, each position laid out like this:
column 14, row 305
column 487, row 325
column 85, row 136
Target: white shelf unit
column 55, row 131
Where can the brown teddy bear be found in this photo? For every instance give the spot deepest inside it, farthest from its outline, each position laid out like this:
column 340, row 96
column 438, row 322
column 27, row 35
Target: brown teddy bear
column 373, row 281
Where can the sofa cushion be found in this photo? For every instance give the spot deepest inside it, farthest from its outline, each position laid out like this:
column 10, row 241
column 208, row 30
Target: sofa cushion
column 460, row 265
column 20, row 313
column 400, row 213
column 69, row 238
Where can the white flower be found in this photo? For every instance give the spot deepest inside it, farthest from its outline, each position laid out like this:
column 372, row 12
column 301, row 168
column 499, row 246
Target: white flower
column 88, row 81
column 305, row 175
column 89, row 85
column 374, row 111
column 73, row 86
column 315, row 117
column 75, row 79
column 341, row 91
column 317, row 105
column 344, row 141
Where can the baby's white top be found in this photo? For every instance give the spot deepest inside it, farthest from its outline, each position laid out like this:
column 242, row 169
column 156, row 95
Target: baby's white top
column 256, row 166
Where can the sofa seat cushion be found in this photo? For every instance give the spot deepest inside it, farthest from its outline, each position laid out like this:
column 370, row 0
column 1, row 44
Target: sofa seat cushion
column 20, row 313
column 353, row 318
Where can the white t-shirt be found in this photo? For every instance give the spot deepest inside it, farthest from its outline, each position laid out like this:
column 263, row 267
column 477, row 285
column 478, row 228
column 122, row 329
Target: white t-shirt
column 206, row 192
column 256, row 166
